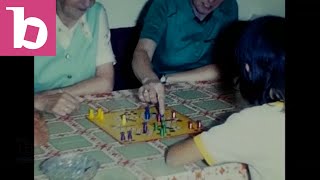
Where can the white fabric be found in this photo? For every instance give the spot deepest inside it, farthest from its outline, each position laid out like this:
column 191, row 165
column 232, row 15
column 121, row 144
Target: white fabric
column 104, row 52
column 255, row 136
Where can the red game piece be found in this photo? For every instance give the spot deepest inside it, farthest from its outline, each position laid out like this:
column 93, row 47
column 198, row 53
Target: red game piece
column 190, row 125
column 199, row 124
column 173, row 115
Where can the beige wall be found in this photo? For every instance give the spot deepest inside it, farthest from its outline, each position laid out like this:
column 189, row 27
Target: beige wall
column 124, row 13
column 252, row 8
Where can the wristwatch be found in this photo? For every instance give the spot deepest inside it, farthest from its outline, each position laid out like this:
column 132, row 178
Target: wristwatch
column 163, row 79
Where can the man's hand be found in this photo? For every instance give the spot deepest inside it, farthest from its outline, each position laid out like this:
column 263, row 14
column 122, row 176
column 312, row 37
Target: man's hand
column 60, row 104
column 153, row 91
column 40, row 130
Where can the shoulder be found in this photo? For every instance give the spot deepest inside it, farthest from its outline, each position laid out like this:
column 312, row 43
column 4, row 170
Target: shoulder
column 96, row 9
column 169, row 5
column 258, row 114
column 228, row 7
column 98, row 6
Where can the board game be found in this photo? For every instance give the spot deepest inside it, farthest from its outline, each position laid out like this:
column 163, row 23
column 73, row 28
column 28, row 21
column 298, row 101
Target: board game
column 143, row 124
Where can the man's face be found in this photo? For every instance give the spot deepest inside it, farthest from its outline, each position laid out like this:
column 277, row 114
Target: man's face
column 76, row 8
column 204, row 7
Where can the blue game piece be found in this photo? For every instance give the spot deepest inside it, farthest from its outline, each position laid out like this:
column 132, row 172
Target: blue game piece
column 145, row 127
column 147, row 114
column 123, row 137
column 129, row 135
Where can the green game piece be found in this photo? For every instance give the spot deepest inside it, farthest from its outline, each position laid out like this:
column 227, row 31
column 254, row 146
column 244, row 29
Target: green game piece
column 155, row 126
column 164, row 129
column 162, row 118
column 162, row 132
column 163, row 123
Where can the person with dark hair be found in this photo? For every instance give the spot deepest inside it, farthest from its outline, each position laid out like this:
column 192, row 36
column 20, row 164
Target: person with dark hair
column 255, row 135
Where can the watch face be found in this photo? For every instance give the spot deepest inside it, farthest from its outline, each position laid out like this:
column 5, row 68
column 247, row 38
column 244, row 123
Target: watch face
column 163, row 79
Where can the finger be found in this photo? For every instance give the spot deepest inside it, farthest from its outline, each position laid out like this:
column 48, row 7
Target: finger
column 153, row 96
column 161, row 99
column 140, row 94
column 71, row 98
column 68, row 110
column 146, row 95
column 63, row 108
column 66, row 105
column 58, row 111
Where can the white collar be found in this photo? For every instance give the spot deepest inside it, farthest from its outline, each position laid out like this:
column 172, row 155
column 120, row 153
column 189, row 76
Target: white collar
column 83, row 25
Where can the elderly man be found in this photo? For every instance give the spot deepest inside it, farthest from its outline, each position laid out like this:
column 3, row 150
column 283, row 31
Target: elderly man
column 84, row 58
column 176, row 43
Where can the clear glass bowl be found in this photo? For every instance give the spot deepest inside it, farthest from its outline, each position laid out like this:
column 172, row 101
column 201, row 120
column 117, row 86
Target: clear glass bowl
column 70, row 167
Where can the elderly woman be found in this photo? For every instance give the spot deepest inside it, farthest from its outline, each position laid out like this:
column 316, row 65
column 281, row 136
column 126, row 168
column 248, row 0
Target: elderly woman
column 84, row 58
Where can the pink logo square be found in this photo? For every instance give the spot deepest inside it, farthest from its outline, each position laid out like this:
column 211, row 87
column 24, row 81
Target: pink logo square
column 31, row 33
column 28, row 28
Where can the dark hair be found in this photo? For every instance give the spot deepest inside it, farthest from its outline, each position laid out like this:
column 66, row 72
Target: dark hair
column 261, row 47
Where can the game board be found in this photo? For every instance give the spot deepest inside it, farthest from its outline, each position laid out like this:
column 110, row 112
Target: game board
column 130, row 128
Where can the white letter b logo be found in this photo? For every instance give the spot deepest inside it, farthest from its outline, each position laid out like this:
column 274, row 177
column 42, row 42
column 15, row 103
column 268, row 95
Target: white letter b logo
column 20, row 27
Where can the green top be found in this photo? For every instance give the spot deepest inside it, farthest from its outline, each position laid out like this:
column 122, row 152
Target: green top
column 183, row 41
column 71, row 65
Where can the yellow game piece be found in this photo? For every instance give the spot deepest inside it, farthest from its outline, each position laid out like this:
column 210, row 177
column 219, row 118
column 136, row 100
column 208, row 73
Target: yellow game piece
column 91, row 114
column 100, row 115
column 123, row 120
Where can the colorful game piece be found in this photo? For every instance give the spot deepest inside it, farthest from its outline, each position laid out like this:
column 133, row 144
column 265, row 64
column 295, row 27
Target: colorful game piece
column 162, row 117
column 173, row 114
column 123, row 120
column 199, row 125
column 100, row 115
column 158, row 117
column 164, row 127
column 91, row 114
column 163, row 123
column 129, row 135
column 99, row 111
column 147, row 113
column 190, row 125
column 155, row 126
column 161, row 132
column 123, row 137
column 145, row 127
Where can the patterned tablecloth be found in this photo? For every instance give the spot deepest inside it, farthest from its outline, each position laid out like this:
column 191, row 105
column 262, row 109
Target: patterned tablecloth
column 204, row 101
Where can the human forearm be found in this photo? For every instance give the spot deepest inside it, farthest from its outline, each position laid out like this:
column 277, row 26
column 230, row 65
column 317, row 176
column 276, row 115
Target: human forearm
column 142, row 66
column 208, row 72
column 183, row 153
column 102, row 82
column 91, row 86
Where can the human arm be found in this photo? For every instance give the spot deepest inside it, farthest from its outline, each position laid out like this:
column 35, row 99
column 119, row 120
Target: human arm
column 154, row 25
column 183, row 153
column 151, row 90
column 208, row 72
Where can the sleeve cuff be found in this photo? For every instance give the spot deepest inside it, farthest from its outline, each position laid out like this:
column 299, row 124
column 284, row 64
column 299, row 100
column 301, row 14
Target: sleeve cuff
column 203, row 150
